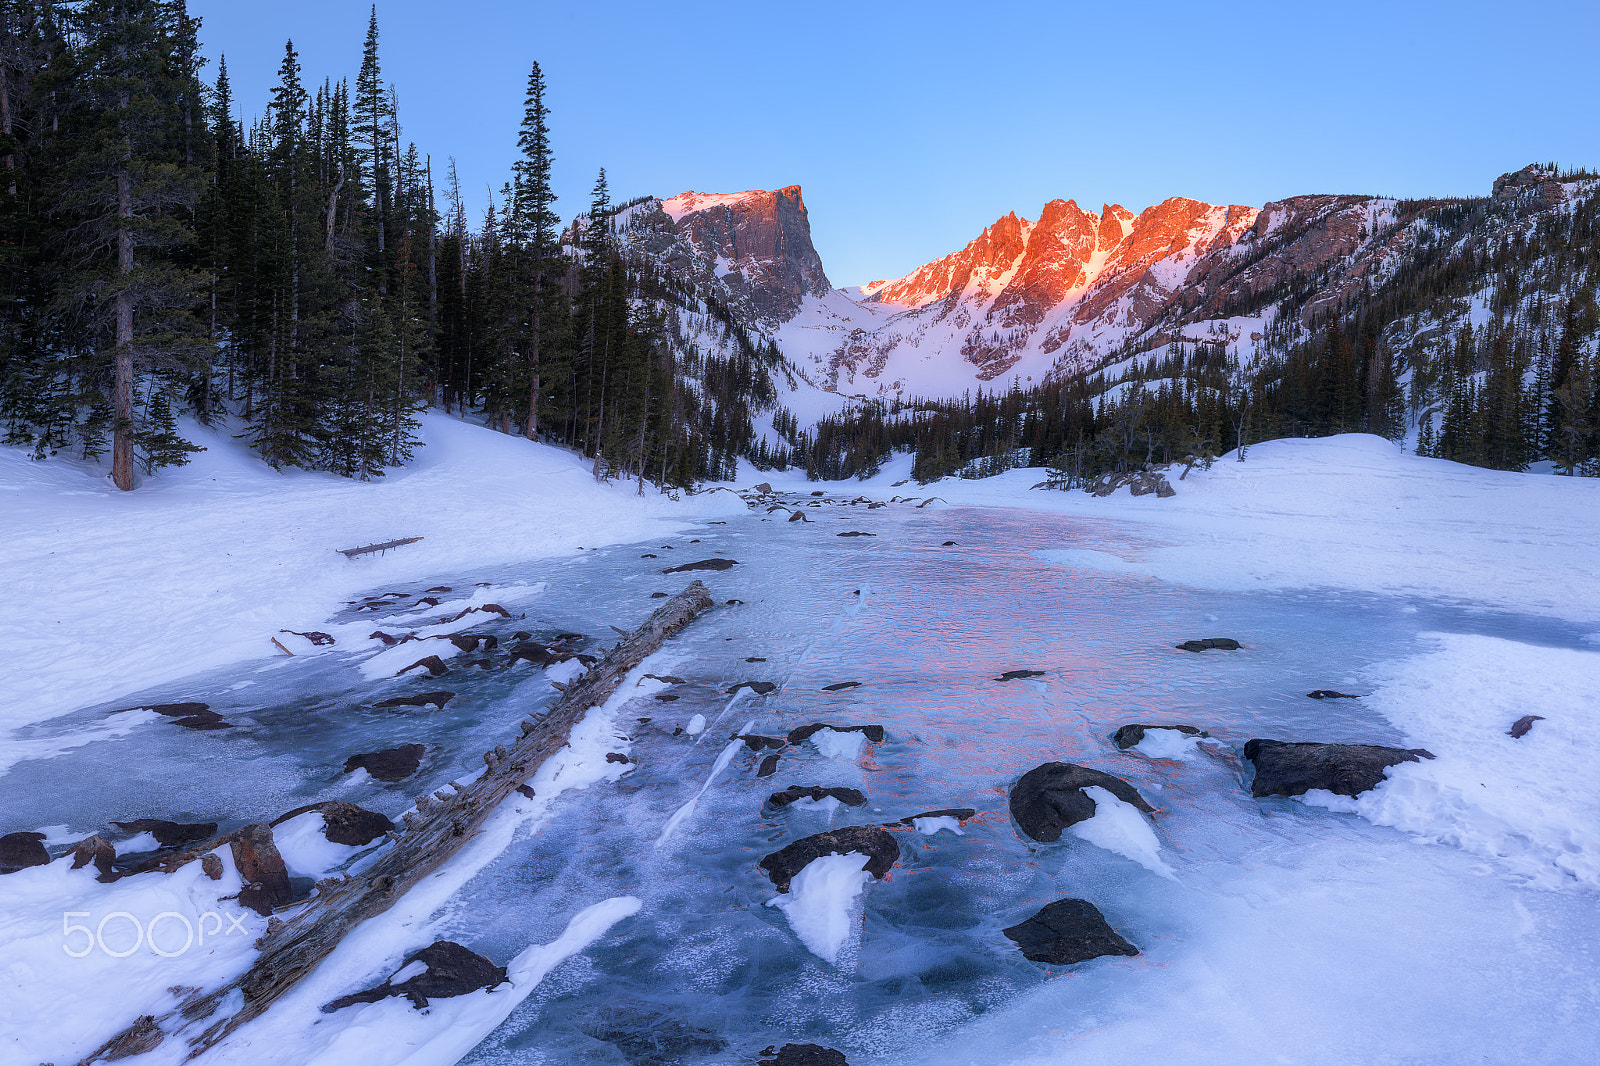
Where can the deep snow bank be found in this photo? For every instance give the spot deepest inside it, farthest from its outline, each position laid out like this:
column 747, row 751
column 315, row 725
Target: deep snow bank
column 203, row 565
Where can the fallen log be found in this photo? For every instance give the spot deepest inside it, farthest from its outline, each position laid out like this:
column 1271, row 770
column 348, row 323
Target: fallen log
column 351, row 553
column 443, row 822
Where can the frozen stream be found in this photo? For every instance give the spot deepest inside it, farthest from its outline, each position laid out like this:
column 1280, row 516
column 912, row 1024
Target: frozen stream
column 1289, row 933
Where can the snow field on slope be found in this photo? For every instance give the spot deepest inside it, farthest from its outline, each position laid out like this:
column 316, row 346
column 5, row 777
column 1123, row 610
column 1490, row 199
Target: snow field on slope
column 1531, row 804
column 206, row 563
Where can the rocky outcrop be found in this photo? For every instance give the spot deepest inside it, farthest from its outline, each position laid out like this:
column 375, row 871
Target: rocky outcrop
column 343, row 823
column 170, row 834
column 750, row 251
column 1049, row 798
column 876, row 844
column 1284, row 769
column 850, row 797
column 450, row 970
column 18, row 851
column 803, row 1055
column 1067, row 931
column 1129, row 736
column 1209, row 644
column 390, row 764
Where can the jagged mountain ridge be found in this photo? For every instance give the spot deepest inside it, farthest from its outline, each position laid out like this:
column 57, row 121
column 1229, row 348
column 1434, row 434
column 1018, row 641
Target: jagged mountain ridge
column 1028, row 300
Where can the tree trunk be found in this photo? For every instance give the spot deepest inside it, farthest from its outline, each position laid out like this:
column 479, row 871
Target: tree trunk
column 122, row 387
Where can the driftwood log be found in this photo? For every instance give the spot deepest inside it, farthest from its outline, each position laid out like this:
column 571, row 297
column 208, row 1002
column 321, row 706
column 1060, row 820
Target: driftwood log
column 436, row 830
column 351, row 553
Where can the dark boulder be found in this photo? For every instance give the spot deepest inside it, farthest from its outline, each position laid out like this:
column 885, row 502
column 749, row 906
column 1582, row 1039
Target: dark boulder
column 703, row 564
column 877, row 845
column 617, row 756
column 666, row 678
column 1018, row 675
column 390, row 764
column 799, row 516
column 802, row 734
column 343, row 823
column 1284, row 769
column 1207, row 643
column 452, row 970
column 768, row 767
column 855, row 533
column 266, row 879
column 1520, row 727
column 421, row 699
column 1049, row 798
column 1130, row 735
column 18, row 851
column 667, row 697
column 850, row 797
column 1330, row 694
column 948, row 544
column 841, row 686
column 755, row 660
column 171, row 710
column 803, row 1055
column 760, row 688
column 658, row 595
column 756, row 743
column 1067, row 931
column 170, row 834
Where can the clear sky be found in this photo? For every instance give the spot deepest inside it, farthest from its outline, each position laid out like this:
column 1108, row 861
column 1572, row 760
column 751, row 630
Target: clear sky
column 911, row 126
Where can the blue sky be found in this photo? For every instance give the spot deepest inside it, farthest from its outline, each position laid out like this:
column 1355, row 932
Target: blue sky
column 913, row 126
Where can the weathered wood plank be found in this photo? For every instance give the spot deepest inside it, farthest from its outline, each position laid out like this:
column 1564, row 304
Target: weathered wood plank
column 442, row 823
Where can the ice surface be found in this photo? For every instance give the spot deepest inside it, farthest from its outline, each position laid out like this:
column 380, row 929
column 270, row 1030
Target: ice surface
column 821, row 903
column 1296, row 932
column 1121, row 827
column 932, row 826
column 306, row 851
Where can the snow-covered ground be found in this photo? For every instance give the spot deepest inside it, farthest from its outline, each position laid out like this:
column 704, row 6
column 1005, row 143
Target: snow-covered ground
column 204, row 565
column 1269, row 928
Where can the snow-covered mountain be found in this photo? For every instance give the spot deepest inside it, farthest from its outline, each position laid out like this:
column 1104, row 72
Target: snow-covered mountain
column 1031, row 299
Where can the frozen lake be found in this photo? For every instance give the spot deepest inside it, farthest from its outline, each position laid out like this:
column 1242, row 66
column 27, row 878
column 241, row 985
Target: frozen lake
column 1288, row 933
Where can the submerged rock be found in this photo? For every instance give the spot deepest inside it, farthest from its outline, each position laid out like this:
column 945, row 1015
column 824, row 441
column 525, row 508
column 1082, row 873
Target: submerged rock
column 757, row 743
column 798, row 516
column 1284, row 769
column 1018, row 675
column 1129, row 736
column 768, row 767
column 878, row 845
column 760, row 688
column 421, row 699
column 960, row 814
column 451, row 970
column 803, row 1055
column 1208, row 643
column 703, row 564
column 850, row 797
column 1067, row 931
column 1330, row 694
column 841, row 686
column 1049, row 798
column 432, row 663
column 18, row 851
column 803, row 733
column 170, row 834
column 390, row 764
column 855, row 533
column 343, row 823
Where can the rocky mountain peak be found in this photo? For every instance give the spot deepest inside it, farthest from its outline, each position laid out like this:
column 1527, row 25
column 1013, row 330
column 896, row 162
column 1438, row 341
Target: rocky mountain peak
column 756, row 245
